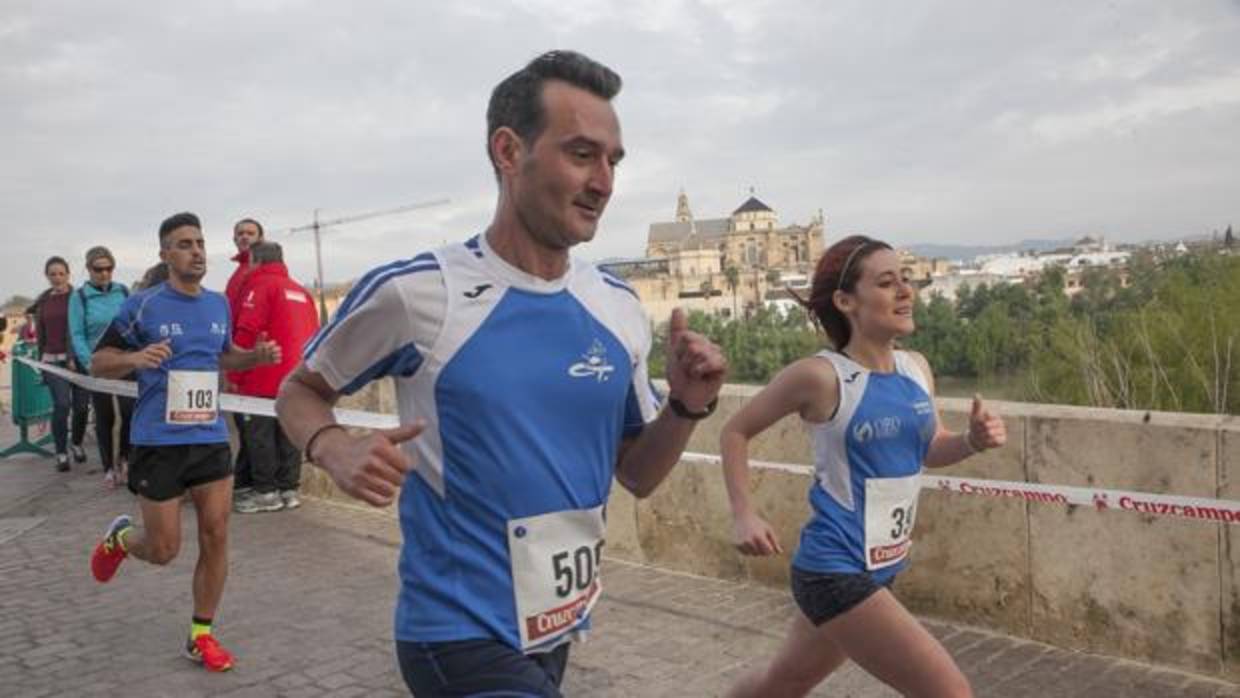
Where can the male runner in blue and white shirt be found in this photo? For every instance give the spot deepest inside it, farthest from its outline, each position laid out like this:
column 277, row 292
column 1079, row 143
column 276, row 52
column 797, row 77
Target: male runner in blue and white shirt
column 522, row 389
column 176, row 337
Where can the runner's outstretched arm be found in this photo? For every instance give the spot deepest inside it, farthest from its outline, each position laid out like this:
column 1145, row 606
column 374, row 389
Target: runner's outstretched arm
column 809, row 388
column 265, row 351
column 370, row 467
column 304, row 405
column 111, row 362
column 695, row 372
column 985, row 430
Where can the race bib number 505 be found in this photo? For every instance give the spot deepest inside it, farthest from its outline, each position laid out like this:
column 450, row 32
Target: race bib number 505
column 192, row 397
column 890, row 510
column 555, row 561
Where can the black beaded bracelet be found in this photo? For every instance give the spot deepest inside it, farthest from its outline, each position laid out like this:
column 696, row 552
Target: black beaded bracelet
column 313, row 437
column 685, row 413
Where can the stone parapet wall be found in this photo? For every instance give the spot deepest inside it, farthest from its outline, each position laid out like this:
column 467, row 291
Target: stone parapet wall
column 1114, row 582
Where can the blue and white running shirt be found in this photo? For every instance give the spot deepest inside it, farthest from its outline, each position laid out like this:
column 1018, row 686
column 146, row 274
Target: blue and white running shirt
column 867, row 466
column 197, row 327
column 528, row 387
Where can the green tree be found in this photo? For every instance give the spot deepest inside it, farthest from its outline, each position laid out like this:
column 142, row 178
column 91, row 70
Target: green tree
column 756, row 347
column 1173, row 345
column 1168, row 339
column 940, row 336
column 733, row 277
column 972, row 300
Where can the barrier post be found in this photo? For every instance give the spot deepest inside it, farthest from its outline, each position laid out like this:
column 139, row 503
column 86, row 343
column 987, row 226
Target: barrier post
column 32, row 404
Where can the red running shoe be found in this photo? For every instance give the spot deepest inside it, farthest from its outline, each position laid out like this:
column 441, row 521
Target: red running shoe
column 206, row 651
column 109, row 554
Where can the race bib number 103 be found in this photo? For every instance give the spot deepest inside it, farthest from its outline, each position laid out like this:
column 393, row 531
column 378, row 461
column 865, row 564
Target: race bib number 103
column 192, row 397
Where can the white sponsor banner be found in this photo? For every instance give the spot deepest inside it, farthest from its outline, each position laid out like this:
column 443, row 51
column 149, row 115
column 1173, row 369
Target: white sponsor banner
column 1201, row 508
column 1197, row 508
column 228, row 401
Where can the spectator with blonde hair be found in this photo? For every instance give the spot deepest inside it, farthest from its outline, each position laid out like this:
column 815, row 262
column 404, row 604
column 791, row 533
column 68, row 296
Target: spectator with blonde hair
column 91, row 309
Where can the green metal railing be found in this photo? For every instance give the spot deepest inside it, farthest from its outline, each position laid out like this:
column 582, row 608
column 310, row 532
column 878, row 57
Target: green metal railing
column 32, row 404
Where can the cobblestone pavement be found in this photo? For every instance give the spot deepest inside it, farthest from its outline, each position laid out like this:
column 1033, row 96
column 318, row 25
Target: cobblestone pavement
column 308, row 613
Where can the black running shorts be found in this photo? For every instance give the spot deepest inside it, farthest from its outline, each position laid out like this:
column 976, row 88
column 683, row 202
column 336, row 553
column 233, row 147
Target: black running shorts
column 160, row 473
column 480, row 668
column 822, row 596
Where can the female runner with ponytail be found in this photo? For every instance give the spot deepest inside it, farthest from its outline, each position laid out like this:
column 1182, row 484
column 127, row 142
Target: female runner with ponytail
column 870, row 407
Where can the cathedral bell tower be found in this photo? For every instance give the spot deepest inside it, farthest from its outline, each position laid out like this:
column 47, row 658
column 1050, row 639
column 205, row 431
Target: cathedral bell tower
column 683, row 214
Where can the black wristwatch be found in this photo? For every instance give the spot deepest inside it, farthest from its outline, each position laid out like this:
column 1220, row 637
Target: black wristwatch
column 684, row 412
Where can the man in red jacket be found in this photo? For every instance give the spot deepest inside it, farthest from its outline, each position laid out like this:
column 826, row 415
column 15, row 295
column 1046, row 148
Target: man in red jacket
column 276, row 307
column 246, row 232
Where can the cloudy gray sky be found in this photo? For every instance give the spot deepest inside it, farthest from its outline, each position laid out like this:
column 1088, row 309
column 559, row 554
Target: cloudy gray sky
column 926, row 121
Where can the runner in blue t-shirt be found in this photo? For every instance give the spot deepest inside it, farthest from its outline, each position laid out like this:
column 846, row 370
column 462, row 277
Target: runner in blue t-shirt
column 870, row 409
column 176, row 337
column 521, row 383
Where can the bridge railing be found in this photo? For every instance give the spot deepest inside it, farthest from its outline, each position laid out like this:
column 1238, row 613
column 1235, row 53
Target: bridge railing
column 1111, row 580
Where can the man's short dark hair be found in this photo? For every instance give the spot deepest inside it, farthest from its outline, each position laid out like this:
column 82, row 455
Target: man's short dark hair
column 517, row 101
column 261, row 232
column 264, row 252
column 175, row 221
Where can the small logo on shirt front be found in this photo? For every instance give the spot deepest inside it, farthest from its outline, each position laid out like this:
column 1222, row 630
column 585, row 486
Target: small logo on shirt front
column 170, row 329
column 219, row 328
column 881, row 428
column 852, row 377
column 478, row 291
column 593, row 363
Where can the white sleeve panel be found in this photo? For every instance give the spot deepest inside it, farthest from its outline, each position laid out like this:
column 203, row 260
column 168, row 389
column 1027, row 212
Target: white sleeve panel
column 648, row 398
column 908, row 366
column 385, row 325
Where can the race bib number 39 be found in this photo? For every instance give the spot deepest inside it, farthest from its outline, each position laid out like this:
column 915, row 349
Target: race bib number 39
column 555, row 571
column 890, row 510
column 192, row 397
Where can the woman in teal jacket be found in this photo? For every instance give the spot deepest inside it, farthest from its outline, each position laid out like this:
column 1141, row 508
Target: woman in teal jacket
column 91, row 309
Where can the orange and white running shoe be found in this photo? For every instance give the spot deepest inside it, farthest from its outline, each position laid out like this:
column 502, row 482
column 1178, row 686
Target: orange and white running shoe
column 109, row 554
column 206, row 650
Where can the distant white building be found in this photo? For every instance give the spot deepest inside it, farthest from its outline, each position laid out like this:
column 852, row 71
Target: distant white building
column 1019, row 266
column 1091, row 244
column 794, row 280
column 785, row 306
column 949, row 285
column 1016, row 267
column 780, row 297
column 1098, row 259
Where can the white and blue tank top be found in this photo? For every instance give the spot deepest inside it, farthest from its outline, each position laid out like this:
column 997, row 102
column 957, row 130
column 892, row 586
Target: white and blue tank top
column 867, row 465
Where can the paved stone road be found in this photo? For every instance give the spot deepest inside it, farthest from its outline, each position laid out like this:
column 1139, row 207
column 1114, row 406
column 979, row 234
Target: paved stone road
column 308, row 613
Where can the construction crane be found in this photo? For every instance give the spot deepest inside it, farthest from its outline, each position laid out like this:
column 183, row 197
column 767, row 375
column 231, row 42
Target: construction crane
column 317, row 226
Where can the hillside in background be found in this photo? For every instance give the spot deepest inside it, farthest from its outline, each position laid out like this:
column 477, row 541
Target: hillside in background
column 968, row 252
